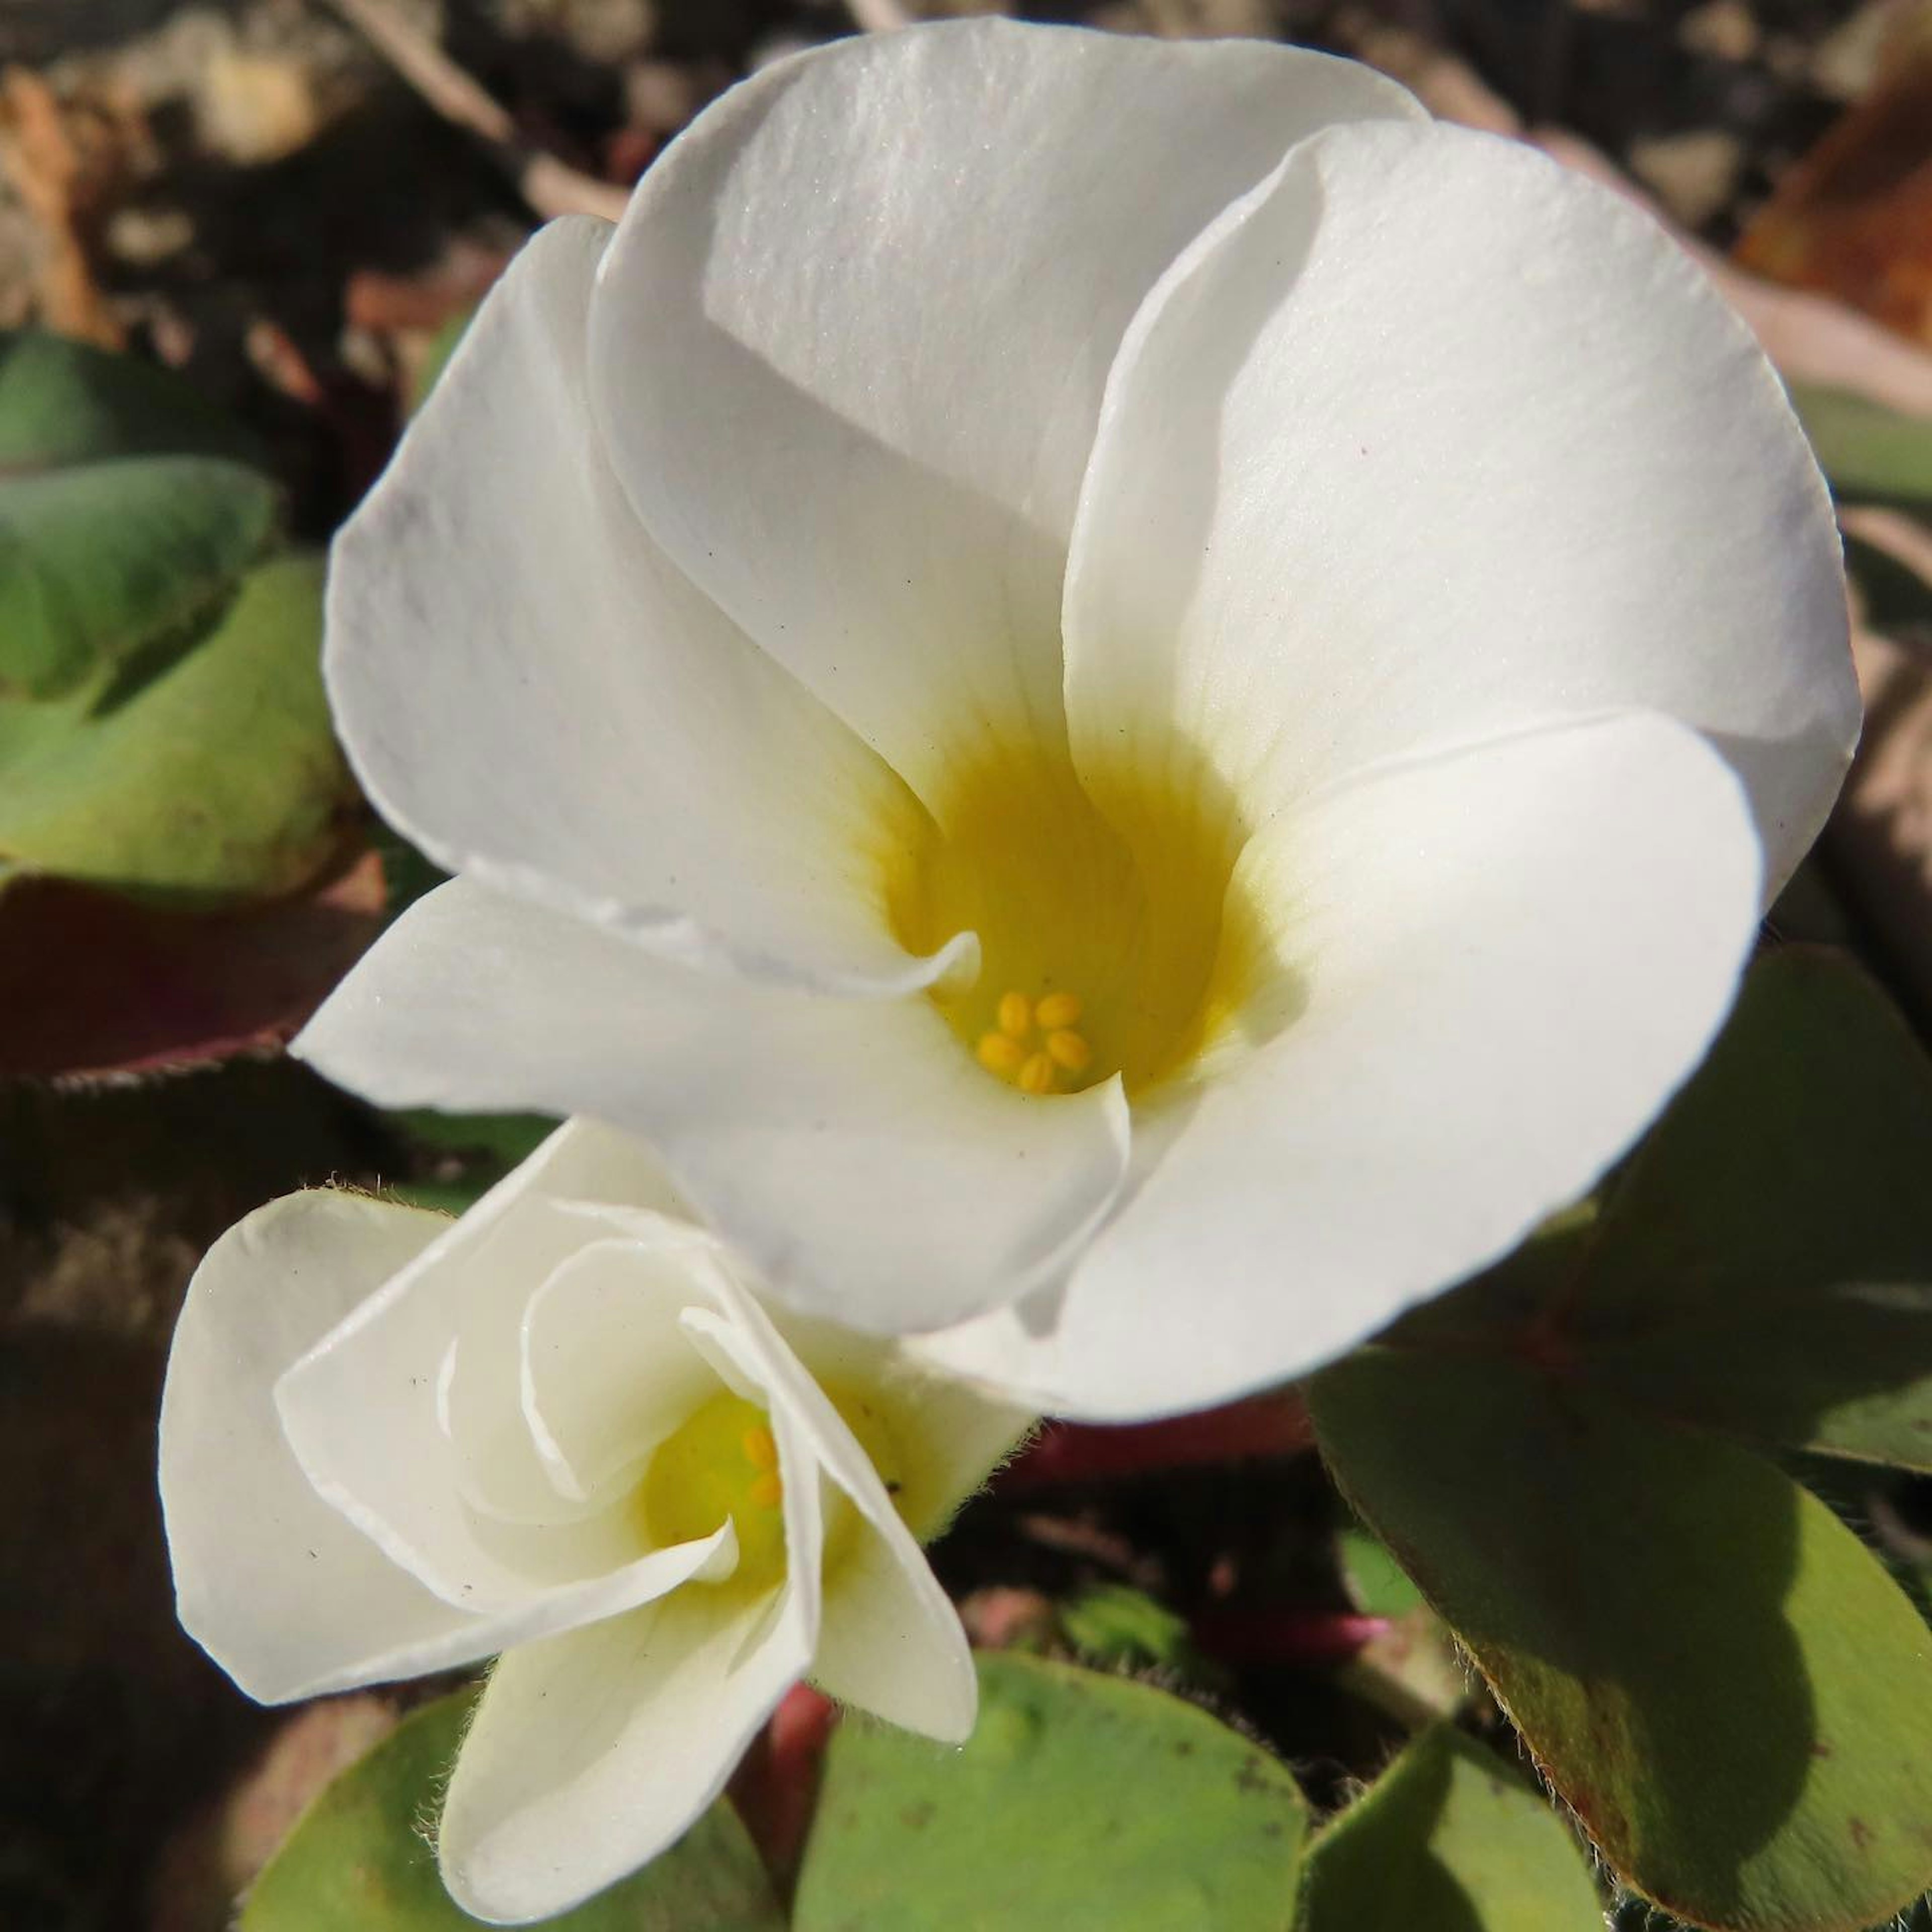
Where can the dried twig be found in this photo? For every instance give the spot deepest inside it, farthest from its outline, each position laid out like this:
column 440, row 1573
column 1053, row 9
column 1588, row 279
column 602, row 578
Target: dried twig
column 550, row 187
column 878, row 17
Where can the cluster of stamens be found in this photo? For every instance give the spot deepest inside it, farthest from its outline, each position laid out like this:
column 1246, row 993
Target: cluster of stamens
column 1034, row 1044
column 766, row 1489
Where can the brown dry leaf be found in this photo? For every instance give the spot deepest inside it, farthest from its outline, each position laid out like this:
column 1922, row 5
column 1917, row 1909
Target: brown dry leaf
column 93, row 986
column 60, row 166
column 1854, row 218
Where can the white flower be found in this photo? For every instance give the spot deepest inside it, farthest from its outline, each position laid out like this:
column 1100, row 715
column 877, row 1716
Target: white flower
column 1111, row 686
column 563, row 1428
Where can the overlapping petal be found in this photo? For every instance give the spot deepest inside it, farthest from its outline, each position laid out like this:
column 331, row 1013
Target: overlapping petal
column 866, row 1165
column 1429, row 438
column 849, row 346
column 1505, row 959
column 535, row 694
column 593, row 1752
column 285, row 1595
column 408, row 1412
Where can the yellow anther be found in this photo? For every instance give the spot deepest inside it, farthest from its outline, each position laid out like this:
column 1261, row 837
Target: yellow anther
column 1036, row 1075
column 1000, row 1053
column 1057, row 1010
column 1068, row 1050
column 1015, row 1015
column 767, row 1492
column 760, row 1448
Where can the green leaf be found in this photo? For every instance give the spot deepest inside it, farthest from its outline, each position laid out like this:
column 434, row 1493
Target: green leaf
column 100, row 561
column 1115, row 1625
column 474, row 1151
column 359, row 1859
column 1712, row 1670
column 64, row 402
column 1868, row 450
column 1766, row 1264
column 1377, row 1584
column 1085, row 1803
column 1449, row 1839
column 501, row 1139
column 215, row 778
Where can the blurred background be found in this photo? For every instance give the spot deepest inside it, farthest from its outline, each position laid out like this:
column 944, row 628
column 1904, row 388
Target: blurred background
column 237, row 237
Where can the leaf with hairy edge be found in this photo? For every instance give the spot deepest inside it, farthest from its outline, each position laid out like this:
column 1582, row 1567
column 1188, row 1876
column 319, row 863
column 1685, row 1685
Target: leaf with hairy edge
column 1082, row 1802
column 1450, row 1839
column 359, row 1860
column 1712, row 1670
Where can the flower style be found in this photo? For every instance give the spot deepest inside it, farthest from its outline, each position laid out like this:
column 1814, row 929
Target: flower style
column 563, row 1428
column 1123, row 694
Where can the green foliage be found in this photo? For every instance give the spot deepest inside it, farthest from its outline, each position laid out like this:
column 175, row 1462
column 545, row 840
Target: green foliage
column 1115, row 1625
column 360, row 1858
column 214, row 779
column 473, row 1151
column 1084, row 1803
column 104, row 561
column 163, row 730
column 1869, row 451
column 1377, row 1584
column 1764, row 1264
column 62, row 403
column 1712, row 1668
column 1450, row 1840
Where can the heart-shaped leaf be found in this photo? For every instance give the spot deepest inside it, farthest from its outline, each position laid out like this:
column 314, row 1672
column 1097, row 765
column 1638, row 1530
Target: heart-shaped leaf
column 1082, row 1802
column 1714, row 1672
column 1450, row 1840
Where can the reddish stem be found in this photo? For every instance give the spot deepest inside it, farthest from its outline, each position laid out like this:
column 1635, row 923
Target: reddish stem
column 1272, row 1425
column 775, row 1786
column 1306, row 1639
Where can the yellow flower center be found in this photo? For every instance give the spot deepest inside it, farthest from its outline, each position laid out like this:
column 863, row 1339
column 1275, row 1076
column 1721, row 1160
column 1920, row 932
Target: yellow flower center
column 722, row 1461
column 1114, row 937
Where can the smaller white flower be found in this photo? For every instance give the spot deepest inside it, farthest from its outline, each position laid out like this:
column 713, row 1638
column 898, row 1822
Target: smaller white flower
column 563, row 1428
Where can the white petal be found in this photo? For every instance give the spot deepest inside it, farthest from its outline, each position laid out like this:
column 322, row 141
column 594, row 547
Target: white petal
column 852, row 1149
column 848, row 347
column 283, row 1593
column 1430, row 439
column 408, row 1416
column 593, row 1752
column 1510, row 957
column 535, row 696
column 953, row 1436
column 891, row 1642
column 607, row 1372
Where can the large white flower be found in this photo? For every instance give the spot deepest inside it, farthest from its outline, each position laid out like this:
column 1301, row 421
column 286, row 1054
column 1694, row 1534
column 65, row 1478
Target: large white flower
column 563, row 1428
column 1112, row 686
